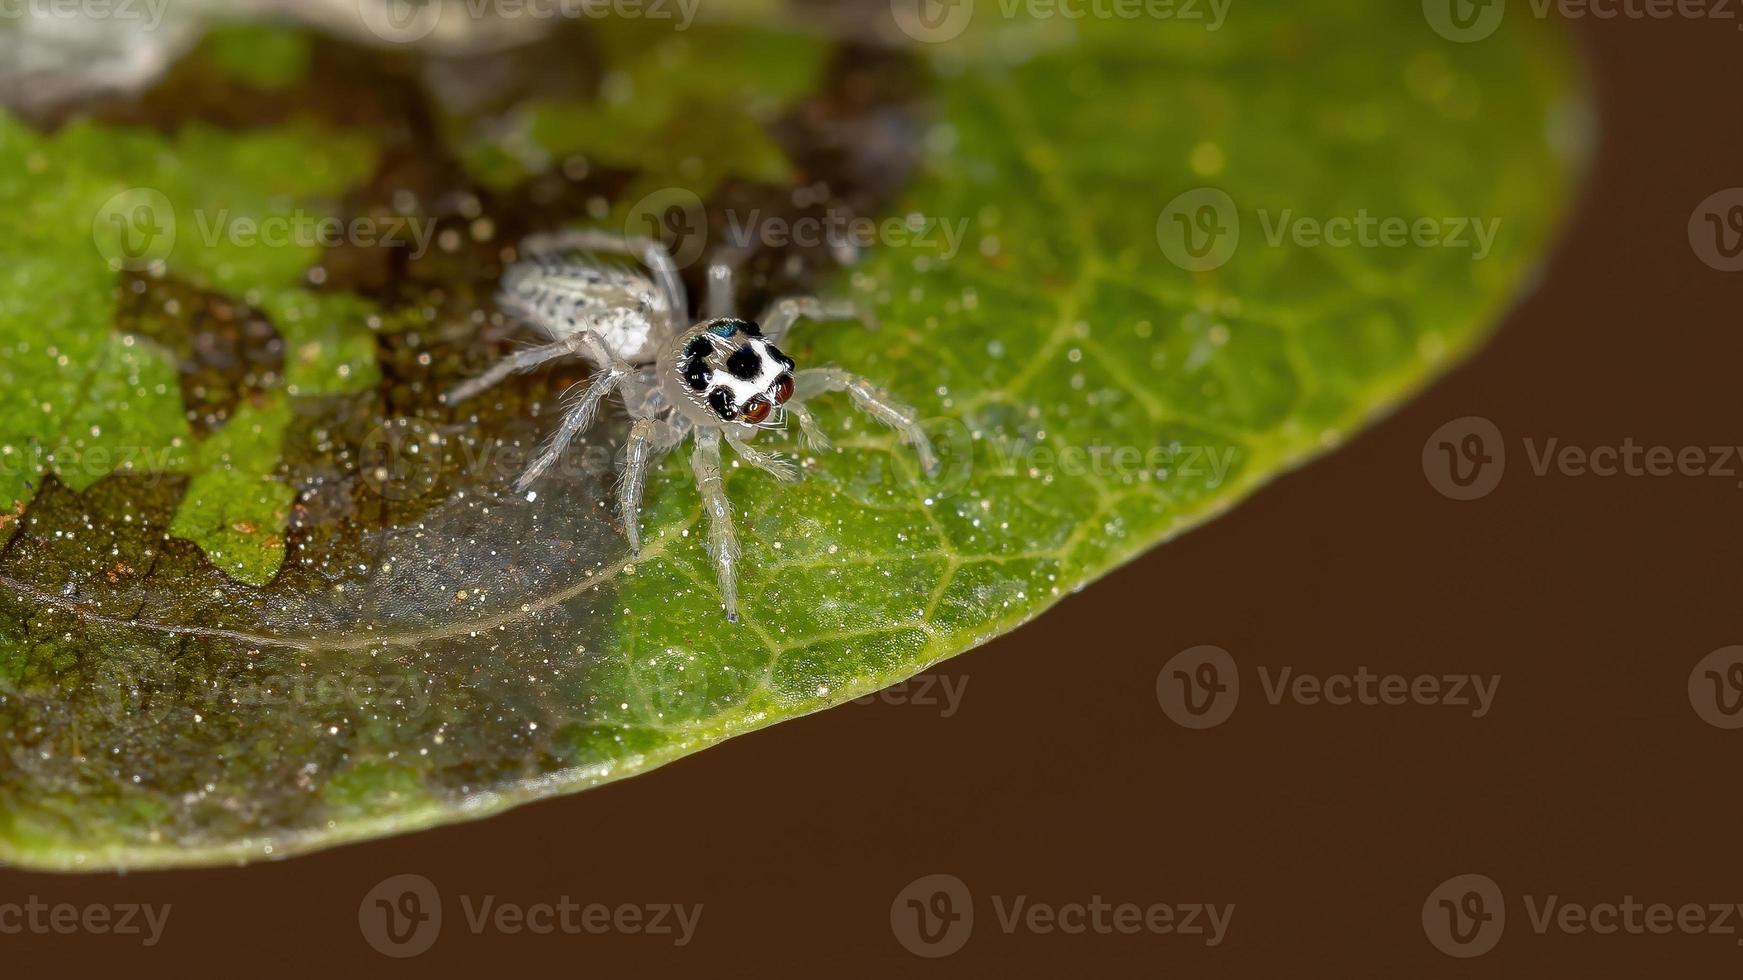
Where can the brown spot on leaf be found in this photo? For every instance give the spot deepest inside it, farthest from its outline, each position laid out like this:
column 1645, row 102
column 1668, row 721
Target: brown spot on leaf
column 225, row 350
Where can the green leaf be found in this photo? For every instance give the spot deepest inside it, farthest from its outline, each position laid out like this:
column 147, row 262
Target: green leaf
column 426, row 647
column 82, row 400
column 686, row 108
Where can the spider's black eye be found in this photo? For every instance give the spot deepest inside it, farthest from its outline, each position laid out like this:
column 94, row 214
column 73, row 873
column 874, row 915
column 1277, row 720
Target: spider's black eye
column 749, row 329
column 785, row 361
column 696, row 373
column 698, row 347
column 722, row 404
column 744, row 363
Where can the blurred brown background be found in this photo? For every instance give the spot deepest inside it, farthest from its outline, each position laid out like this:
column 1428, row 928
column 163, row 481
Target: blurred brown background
column 1048, row 769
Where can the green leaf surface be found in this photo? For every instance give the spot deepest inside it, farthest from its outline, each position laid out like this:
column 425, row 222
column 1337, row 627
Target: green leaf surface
column 293, row 603
column 82, row 395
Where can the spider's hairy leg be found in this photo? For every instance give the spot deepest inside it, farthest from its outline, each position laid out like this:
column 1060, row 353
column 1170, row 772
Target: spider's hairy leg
column 722, row 543
column 519, row 361
column 612, row 374
column 871, row 400
column 717, row 301
column 649, row 438
column 651, row 252
column 809, row 430
column 772, row 463
column 786, row 311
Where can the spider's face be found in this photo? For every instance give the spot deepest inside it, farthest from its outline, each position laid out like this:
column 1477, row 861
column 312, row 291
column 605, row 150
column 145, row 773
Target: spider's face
column 740, row 376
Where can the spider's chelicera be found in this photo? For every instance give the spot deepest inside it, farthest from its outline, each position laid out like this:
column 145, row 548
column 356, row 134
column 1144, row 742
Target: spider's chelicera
column 717, row 377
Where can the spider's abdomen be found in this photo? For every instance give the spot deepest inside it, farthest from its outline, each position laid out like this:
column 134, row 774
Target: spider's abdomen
column 562, row 297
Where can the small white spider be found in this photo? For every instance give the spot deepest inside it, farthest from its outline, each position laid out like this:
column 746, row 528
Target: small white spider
column 717, row 377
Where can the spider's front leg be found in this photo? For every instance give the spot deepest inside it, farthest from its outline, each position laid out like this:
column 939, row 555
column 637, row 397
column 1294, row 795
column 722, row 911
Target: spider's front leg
column 810, row 433
column 783, row 313
column 873, row 401
column 718, row 299
column 772, row 463
column 649, row 438
column 611, row 374
column 722, row 543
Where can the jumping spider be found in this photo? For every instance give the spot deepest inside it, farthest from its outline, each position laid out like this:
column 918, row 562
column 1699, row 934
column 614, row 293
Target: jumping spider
column 714, row 378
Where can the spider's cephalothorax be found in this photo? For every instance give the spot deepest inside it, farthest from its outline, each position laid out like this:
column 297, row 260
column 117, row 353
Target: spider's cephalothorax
column 721, row 378
column 736, row 372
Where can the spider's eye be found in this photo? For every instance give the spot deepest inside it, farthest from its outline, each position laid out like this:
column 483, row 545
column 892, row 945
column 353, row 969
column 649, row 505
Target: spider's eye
column 756, row 409
column 722, row 404
column 783, row 389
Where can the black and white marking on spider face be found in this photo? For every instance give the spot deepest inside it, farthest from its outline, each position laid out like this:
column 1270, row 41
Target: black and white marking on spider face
column 740, row 376
column 708, row 377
